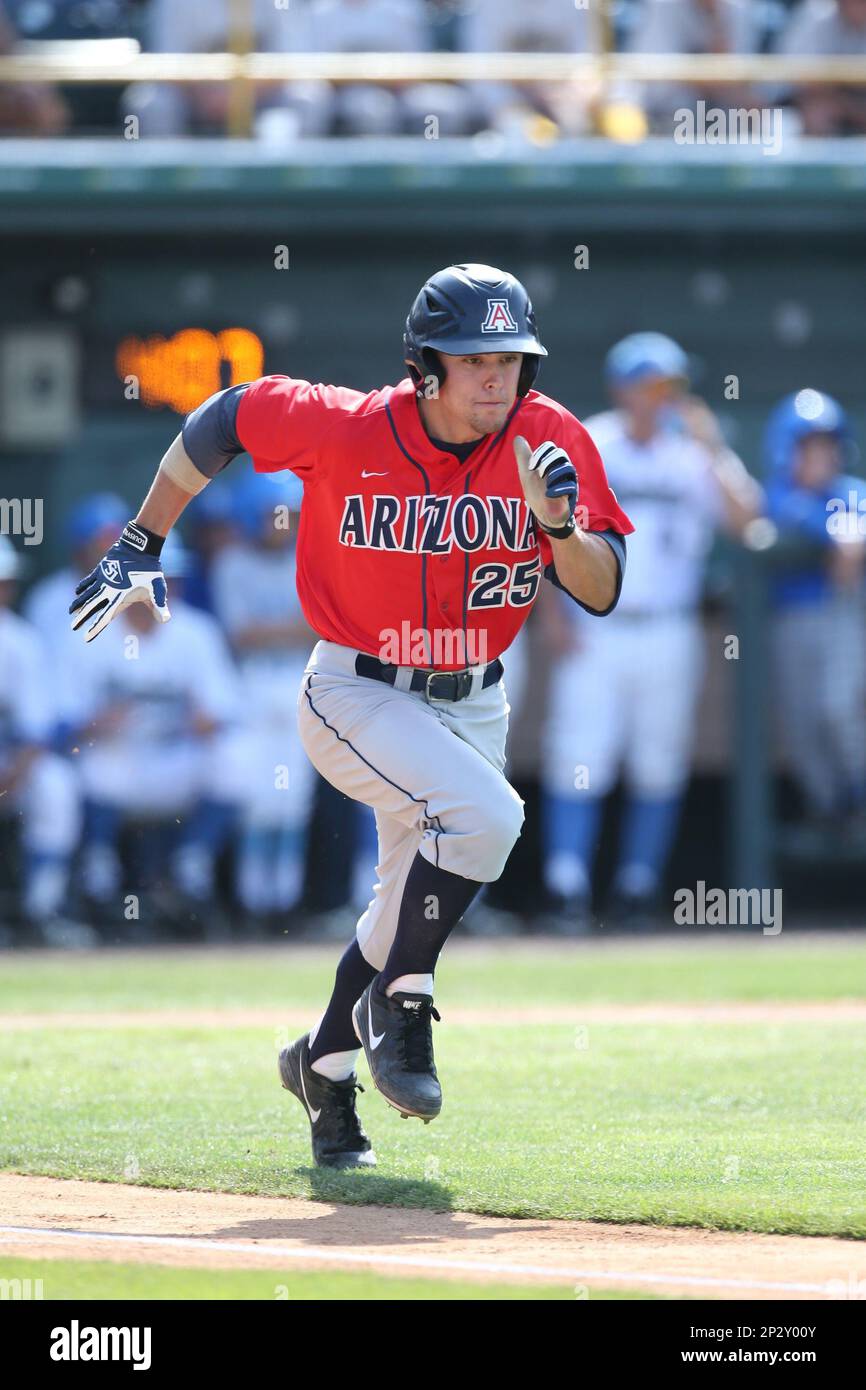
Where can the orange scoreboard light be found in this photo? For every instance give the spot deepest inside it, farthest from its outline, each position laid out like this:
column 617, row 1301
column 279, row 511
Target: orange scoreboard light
column 182, row 371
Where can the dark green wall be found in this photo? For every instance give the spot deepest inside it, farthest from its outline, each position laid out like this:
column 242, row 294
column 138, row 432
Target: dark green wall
column 775, row 307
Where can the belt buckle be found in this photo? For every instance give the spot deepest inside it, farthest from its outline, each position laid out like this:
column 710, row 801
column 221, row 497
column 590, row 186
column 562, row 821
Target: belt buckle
column 442, row 676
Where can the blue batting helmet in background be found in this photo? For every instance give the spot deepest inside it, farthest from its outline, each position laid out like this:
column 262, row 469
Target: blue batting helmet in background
column 99, row 511
column 471, row 308
column 799, row 416
column 256, row 495
column 212, row 506
column 641, row 356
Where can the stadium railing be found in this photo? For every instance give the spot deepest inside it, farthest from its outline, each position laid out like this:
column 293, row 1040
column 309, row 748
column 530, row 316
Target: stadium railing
column 603, row 70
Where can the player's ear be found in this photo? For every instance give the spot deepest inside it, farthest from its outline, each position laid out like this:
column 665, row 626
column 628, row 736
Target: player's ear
column 417, row 378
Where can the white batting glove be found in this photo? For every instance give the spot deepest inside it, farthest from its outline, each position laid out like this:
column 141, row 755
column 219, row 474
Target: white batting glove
column 549, row 481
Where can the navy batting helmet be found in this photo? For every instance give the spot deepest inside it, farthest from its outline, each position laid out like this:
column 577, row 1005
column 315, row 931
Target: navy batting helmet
column 471, row 308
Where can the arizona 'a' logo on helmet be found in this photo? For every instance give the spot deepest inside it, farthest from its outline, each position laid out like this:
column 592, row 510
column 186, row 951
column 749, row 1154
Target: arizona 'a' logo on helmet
column 499, row 318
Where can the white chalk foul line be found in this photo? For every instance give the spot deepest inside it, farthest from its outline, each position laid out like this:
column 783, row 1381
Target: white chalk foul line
column 432, row 1263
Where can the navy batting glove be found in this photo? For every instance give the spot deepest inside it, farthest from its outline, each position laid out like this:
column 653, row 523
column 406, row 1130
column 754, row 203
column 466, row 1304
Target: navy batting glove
column 131, row 572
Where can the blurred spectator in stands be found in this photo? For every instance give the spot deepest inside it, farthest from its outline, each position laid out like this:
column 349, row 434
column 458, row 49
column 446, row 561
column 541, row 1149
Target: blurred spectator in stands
column 820, row 28
column 28, row 108
column 92, row 526
column 545, row 26
column 624, row 692
column 694, row 26
column 96, row 28
column 255, row 599
column 36, row 786
column 819, row 561
column 202, row 108
column 380, row 108
column 444, row 17
column 155, row 705
column 211, row 526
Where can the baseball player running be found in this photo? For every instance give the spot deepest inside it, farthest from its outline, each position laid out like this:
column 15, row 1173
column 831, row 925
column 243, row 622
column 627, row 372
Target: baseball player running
column 431, row 511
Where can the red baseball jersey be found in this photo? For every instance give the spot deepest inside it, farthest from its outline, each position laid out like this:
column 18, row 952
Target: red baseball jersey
column 397, row 536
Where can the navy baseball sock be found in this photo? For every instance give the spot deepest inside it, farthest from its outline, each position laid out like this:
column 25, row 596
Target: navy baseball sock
column 434, row 900
column 335, row 1032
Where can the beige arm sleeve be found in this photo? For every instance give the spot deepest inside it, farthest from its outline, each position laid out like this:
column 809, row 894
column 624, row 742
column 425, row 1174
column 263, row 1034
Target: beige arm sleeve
column 180, row 469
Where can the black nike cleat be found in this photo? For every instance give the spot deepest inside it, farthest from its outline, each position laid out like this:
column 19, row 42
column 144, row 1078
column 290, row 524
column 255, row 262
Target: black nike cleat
column 397, row 1038
column 337, row 1136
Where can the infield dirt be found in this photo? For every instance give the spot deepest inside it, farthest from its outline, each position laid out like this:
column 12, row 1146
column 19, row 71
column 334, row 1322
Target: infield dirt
column 50, row 1218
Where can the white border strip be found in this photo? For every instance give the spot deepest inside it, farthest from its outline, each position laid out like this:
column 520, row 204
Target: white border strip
column 432, row 1263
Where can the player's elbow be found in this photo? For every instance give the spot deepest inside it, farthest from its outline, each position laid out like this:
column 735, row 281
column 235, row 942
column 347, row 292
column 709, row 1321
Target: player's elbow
column 592, row 572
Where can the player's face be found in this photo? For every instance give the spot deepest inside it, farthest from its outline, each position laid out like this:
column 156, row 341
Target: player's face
column 818, row 461
column 649, row 396
column 644, row 401
column 88, row 556
column 212, row 537
column 273, row 537
column 478, row 393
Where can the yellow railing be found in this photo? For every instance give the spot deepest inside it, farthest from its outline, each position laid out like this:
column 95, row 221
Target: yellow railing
column 601, row 69
column 433, row 67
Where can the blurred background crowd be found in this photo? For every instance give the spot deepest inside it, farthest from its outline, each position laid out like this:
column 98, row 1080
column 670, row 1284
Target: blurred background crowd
column 712, row 728
column 304, row 108
column 154, row 783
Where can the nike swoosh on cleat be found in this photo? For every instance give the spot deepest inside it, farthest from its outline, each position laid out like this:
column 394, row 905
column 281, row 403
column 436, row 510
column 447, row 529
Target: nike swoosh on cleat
column 313, row 1114
column 374, row 1041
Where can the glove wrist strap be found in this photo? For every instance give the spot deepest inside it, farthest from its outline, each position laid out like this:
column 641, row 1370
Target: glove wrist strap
column 144, row 541
column 559, row 533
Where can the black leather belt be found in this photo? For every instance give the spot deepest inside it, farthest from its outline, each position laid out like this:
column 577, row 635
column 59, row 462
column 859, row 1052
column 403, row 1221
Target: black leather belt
column 436, row 685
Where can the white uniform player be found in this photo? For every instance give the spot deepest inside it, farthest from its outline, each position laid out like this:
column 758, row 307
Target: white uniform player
column 256, row 601
column 623, row 698
column 89, row 528
column 155, row 708
column 37, row 786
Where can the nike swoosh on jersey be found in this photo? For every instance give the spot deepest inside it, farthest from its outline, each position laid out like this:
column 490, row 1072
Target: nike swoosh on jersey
column 370, row 473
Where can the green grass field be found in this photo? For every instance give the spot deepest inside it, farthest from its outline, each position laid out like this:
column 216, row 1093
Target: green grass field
column 637, row 971
column 89, row 1279
column 747, row 1125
